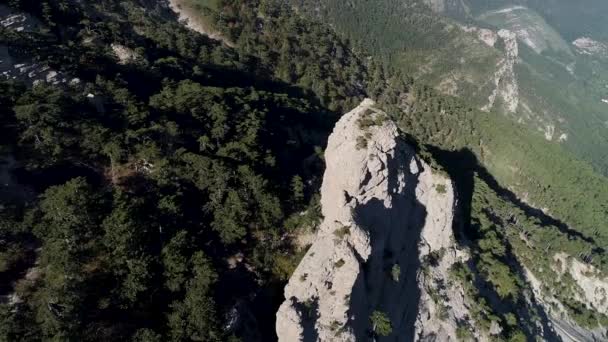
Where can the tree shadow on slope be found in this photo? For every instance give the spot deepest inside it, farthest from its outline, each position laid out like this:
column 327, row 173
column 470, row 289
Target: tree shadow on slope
column 462, row 167
column 395, row 233
column 309, row 314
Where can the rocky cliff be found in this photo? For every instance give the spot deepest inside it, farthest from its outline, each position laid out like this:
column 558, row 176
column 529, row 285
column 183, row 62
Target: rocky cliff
column 385, row 212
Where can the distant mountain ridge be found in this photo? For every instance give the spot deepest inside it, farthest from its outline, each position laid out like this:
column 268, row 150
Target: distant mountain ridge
column 562, row 73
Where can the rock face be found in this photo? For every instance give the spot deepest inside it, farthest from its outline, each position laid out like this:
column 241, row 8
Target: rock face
column 505, row 82
column 588, row 46
column 384, row 211
column 124, row 54
column 442, row 307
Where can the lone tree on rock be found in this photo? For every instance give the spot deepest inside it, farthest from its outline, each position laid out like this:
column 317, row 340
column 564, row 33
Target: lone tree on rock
column 381, row 324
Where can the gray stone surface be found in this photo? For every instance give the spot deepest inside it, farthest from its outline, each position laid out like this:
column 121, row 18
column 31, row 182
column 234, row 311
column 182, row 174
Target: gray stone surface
column 381, row 208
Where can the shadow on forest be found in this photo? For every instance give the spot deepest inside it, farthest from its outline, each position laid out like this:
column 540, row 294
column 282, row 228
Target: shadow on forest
column 462, row 167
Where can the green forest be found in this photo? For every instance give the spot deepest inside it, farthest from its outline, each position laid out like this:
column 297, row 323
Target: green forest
column 149, row 177
column 164, row 194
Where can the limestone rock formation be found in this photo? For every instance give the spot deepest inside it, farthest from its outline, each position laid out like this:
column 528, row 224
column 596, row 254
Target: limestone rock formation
column 506, row 87
column 384, row 211
column 592, row 293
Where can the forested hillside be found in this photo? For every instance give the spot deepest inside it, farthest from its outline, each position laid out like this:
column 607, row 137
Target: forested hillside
column 158, row 192
column 464, row 141
column 539, row 78
column 518, row 159
column 164, row 184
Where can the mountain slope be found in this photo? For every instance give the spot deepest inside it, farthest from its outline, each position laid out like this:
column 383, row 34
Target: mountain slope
column 438, row 255
column 514, row 154
column 165, row 177
column 466, row 58
column 447, row 125
column 170, row 183
column 572, row 113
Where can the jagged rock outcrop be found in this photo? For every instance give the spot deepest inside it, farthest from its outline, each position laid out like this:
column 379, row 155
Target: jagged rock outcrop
column 505, row 85
column 588, row 46
column 505, row 82
column 443, row 306
column 384, row 211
